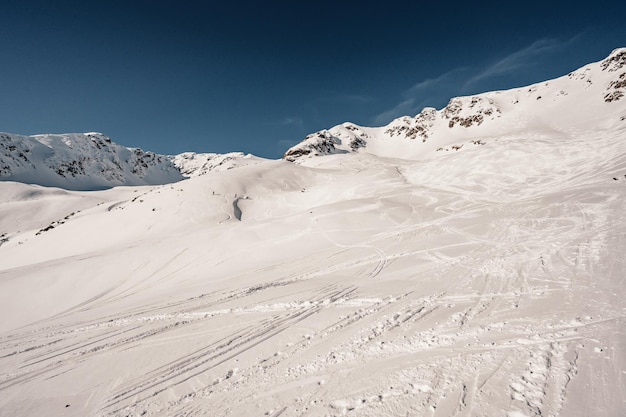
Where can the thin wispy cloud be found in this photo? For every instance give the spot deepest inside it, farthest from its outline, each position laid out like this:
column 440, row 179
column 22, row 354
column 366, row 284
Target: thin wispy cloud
column 516, row 60
column 422, row 94
column 524, row 58
column 434, row 92
column 292, row 121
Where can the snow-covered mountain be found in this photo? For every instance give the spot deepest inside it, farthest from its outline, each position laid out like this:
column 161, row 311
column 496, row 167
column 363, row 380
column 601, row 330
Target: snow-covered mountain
column 91, row 161
column 390, row 281
column 594, row 94
column 81, row 162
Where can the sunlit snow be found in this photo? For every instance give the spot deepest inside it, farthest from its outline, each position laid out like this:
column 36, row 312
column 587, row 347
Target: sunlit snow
column 388, row 279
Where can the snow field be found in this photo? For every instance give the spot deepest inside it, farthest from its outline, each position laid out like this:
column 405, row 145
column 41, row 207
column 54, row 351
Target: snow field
column 485, row 282
column 464, row 262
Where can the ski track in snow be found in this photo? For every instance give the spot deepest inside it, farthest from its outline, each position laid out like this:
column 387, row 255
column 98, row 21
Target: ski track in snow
column 488, row 282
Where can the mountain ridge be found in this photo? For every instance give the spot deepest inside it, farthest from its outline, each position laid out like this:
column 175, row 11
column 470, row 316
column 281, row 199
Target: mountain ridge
column 470, row 120
column 89, row 161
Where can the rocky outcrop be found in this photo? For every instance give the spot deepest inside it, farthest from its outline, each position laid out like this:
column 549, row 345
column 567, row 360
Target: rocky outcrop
column 414, row 127
column 319, row 143
column 467, row 112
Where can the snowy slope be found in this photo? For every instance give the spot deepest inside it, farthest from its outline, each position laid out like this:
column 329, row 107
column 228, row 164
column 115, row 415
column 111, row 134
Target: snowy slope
column 488, row 281
column 592, row 94
column 91, row 161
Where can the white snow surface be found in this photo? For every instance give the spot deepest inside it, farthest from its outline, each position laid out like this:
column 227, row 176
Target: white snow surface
column 487, row 281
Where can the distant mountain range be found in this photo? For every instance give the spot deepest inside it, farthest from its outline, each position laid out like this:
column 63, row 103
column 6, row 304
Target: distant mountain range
column 84, row 161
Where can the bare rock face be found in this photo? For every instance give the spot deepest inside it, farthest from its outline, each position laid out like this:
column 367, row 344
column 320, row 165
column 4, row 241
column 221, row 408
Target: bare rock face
column 615, row 61
column 460, row 111
column 616, row 88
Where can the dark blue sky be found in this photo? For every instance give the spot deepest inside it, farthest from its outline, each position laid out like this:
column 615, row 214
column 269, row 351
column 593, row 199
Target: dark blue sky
column 258, row 76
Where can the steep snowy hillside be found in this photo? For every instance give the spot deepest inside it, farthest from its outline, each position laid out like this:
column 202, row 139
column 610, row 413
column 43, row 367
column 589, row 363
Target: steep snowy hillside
column 592, row 94
column 485, row 282
column 91, row 161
